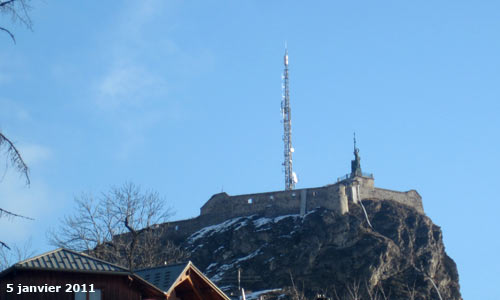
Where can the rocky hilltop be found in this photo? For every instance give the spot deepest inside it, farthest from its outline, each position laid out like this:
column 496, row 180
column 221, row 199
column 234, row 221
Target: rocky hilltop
column 400, row 256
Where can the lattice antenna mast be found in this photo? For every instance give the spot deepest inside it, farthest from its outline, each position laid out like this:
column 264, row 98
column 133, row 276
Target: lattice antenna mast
column 290, row 176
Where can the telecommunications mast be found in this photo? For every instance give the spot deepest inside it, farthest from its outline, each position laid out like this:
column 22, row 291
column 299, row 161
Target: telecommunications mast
column 290, row 176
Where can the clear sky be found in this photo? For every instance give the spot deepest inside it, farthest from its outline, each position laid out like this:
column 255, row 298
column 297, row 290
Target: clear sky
column 183, row 97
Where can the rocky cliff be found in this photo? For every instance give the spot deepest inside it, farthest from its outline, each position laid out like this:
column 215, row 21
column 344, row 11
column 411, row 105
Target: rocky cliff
column 400, row 256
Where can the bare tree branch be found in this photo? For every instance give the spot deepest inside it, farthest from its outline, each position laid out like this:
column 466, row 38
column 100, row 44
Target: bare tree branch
column 9, row 214
column 17, row 253
column 412, row 292
column 122, row 226
column 4, row 245
column 9, row 33
column 19, row 12
column 17, row 161
column 4, row 3
column 15, row 157
column 296, row 293
column 354, row 291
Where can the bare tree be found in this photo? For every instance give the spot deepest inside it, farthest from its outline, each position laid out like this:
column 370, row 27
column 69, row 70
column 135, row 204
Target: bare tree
column 123, row 225
column 354, row 290
column 18, row 11
column 296, row 293
column 373, row 293
column 17, row 253
column 412, row 291
column 15, row 159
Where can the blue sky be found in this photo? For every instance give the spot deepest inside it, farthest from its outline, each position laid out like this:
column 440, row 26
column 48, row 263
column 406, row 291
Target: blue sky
column 183, row 97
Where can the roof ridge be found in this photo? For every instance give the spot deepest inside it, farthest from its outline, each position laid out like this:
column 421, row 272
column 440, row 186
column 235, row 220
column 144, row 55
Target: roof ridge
column 210, row 282
column 163, row 266
column 37, row 257
column 79, row 254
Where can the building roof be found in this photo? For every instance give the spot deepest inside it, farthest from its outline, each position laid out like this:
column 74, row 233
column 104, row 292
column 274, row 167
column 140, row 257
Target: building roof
column 64, row 260
column 172, row 277
column 162, row 277
column 68, row 260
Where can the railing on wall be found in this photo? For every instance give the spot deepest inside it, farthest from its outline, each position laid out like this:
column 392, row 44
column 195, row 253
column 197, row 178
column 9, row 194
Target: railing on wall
column 347, row 176
column 368, row 175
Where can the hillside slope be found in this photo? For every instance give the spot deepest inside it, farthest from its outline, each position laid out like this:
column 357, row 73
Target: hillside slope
column 402, row 256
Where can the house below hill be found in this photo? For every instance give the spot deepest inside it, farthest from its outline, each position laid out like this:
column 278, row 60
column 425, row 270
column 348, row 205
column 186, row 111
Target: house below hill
column 64, row 274
column 182, row 282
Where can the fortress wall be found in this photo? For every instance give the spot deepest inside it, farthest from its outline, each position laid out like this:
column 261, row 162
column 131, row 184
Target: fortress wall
column 410, row 198
column 327, row 197
column 222, row 206
column 231, row 206
column 337, row 197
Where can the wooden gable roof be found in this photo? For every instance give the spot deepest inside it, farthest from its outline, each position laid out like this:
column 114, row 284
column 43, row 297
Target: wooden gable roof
column 183, row 281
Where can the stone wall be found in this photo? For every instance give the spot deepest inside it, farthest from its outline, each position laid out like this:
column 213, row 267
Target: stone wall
column 409, row 198
column 221, row 207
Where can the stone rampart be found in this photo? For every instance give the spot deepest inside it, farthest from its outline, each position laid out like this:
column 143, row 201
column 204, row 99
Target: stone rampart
column 223, row 206
column 337, row 197
column 409, row 198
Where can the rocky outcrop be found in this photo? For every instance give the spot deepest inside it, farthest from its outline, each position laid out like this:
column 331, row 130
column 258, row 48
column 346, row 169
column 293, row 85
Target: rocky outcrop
column 400, row 256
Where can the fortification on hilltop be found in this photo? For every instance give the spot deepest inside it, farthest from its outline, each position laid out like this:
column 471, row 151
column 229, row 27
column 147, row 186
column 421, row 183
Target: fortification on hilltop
column 349, row 190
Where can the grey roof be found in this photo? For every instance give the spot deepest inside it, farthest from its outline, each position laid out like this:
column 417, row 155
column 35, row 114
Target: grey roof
column 162, row 277
column 68, row 260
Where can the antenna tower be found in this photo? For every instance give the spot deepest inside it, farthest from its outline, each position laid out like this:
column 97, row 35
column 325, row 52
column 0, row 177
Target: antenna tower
column 290, row 176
